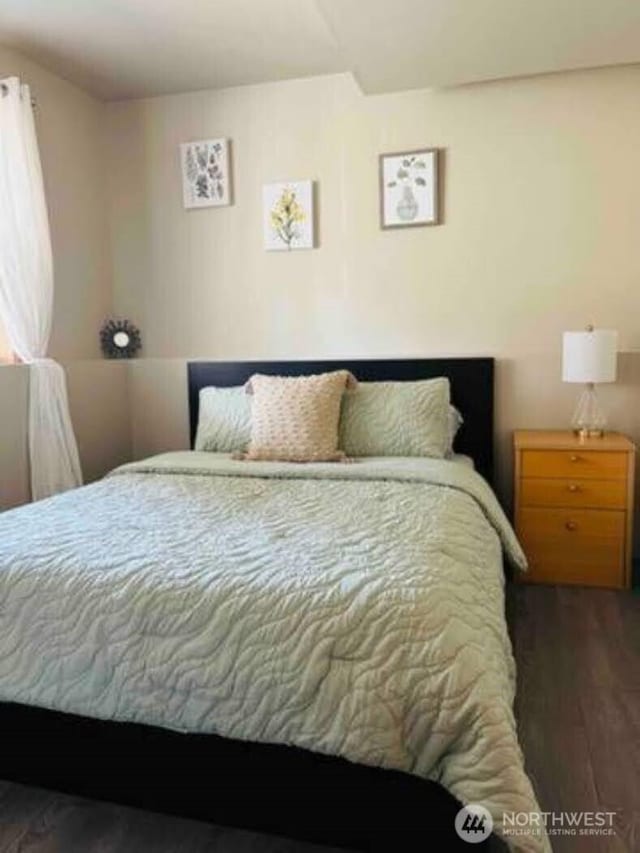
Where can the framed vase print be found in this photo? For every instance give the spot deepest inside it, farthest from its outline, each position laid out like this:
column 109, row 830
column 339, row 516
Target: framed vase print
column 409, row 189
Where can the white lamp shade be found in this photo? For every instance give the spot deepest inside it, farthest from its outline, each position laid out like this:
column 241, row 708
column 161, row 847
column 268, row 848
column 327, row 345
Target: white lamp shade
column 590, row 356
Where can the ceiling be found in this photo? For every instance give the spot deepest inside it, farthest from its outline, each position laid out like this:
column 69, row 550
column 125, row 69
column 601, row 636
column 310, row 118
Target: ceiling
column 135, row 48
column 406, row 44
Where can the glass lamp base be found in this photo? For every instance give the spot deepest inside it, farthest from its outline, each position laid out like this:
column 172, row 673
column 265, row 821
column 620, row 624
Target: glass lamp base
column 589, row 420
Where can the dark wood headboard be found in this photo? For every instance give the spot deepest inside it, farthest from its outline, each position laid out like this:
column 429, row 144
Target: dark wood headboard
column 471, row 389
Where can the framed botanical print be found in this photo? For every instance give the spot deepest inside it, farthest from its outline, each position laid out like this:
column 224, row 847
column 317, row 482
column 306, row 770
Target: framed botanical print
column 288, row 216
column 409, row 189
column 206, row 180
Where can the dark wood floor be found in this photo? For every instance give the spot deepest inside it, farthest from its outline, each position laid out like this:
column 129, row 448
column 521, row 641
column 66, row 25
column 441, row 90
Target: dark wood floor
column 578, row 708
column 578, row 705
column 36, row 821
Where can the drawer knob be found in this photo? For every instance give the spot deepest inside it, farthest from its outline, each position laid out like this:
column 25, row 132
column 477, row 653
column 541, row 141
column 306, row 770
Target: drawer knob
column 574, row 458
column 571, row 525
column 573, row 487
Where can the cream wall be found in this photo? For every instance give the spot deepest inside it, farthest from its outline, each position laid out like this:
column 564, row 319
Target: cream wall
column 100, row 410
column 70, row 132
column 540, row 234
column 541, row 189
column 14, row 464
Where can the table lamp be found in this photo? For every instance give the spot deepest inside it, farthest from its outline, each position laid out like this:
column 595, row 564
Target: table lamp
column 589, row 357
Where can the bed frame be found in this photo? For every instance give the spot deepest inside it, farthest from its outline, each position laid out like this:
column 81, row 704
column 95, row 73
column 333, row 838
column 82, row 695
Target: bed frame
column 271, row 788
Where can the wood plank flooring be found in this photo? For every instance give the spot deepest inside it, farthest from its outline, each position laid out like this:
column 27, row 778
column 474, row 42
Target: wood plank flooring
column 578, row 710
column 578, row 705
column 37, row 821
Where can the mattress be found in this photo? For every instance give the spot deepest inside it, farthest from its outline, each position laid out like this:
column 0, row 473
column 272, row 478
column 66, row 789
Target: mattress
column 349, row 609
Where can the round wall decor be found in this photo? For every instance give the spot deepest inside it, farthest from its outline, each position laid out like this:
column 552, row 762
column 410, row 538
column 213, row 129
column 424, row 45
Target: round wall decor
column 120, row 339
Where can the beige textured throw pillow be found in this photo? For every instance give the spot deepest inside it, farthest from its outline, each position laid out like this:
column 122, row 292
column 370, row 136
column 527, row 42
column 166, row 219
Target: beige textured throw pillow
column 295, row 418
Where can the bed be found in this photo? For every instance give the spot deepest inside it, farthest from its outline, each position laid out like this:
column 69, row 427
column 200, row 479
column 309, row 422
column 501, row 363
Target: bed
column 318, row 651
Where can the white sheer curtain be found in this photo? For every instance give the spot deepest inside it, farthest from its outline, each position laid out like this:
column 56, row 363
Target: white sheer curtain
column 26, row 294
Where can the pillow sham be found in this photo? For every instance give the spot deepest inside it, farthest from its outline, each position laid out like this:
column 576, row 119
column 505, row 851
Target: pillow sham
column 224, row 420
column 454, row 422
column 295, row 418
column 396, row 419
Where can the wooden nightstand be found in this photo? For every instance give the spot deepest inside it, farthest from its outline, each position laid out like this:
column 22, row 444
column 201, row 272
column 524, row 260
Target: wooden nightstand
column 574, row 507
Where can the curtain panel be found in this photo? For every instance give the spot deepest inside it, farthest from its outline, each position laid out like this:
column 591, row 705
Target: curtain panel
column 26, row 294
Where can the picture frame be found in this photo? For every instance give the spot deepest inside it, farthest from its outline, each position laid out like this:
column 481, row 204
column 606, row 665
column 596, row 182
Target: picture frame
column 206, row 173
column 409, row 188
column 289, row 215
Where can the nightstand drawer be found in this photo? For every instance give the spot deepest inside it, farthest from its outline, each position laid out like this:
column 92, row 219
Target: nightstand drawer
column 574, row 546
column 599, row 494
column 597, row 465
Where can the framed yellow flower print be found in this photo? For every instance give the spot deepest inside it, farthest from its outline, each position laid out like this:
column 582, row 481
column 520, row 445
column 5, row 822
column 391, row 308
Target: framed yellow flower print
column 288, row 216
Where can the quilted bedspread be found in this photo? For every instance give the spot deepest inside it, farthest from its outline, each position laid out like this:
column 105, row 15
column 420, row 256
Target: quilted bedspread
column 351, row 609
